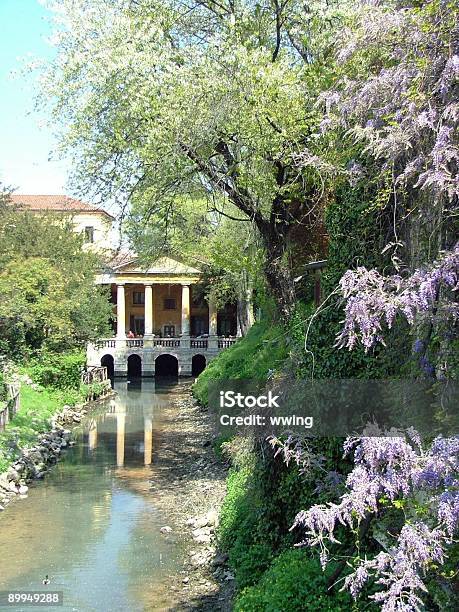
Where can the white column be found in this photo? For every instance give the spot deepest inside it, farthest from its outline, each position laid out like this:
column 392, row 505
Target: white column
column 148, row 439
column 212, row 318
column 120, row 312
column 185, row 310
column 148, row 310
column 120, row 432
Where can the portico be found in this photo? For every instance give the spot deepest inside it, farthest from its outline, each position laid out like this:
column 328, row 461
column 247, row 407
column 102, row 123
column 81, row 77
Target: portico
column 158, row 309
column 161, row 311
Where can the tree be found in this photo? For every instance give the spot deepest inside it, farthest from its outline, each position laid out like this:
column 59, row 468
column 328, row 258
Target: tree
column 228, row 253
column 48, row 299
column 212, row 100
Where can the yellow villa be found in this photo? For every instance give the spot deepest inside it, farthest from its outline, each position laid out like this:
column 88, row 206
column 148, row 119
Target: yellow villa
column 163, row 324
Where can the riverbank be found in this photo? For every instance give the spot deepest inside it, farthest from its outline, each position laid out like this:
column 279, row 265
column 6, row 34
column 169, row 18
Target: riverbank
column 188, row 484
column 33, row 462
column 182, row 488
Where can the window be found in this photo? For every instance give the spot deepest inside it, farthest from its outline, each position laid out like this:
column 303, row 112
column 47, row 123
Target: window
column 169, row 330
column 199, row 326
column 137, row 325
column 226, row 326
column 138, row 297
column 89, row 234
column 170, row 304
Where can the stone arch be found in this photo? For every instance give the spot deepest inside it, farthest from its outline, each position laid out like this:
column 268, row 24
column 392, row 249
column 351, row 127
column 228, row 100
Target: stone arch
column 198, row 364
column 166, row 365
column 107, row 361
column 134, row 366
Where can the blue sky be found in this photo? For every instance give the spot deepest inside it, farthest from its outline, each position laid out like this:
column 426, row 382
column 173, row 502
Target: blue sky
column 26, row 141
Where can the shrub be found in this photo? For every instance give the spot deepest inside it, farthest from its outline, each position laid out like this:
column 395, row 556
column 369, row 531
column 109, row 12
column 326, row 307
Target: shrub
column 60, row 371
column 293, row 582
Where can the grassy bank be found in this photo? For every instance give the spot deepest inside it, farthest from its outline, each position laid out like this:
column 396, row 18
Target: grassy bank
column 47, row 384
column 263, row 350
column 264, row 495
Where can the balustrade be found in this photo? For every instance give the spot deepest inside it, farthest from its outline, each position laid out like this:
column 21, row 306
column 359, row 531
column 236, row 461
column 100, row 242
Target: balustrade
column 199, row 343
column 186, row 342
column 166, row 342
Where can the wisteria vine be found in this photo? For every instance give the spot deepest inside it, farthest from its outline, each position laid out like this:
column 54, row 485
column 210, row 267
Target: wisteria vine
column 374, row 300
column 392, row 468
column 407, row 111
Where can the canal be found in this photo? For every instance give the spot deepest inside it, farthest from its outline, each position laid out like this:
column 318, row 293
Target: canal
column 91, row 525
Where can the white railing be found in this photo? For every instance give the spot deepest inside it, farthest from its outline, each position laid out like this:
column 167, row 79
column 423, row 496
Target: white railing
column 159, row 342
column 226, row 342
column 199, row 343
column 134, row 343
column 105, row 343
column 167, row 342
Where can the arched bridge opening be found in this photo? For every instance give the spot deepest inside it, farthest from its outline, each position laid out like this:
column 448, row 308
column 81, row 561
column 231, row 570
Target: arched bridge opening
column 108, row 362
column 166, row 365
column 198, row 364
column 134, row 366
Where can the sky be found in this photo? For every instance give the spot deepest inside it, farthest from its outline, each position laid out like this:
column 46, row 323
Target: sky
column 26, row 140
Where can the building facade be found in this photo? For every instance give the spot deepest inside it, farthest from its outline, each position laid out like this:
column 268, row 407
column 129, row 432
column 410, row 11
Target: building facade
column 93, row 223
column 163, row 324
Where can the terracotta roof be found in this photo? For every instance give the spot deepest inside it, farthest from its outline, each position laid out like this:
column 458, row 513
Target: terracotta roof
column 59, row 203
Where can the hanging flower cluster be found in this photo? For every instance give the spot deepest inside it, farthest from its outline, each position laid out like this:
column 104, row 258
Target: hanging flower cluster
column 394, row 469
column 406, row 111
column 374, row 300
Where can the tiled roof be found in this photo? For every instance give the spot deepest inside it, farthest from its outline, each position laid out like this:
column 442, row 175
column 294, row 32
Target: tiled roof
column 59, row 203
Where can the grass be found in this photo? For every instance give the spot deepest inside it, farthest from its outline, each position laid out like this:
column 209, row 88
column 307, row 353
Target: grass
column 252, row 357
column 33, row 416
column 31, row 419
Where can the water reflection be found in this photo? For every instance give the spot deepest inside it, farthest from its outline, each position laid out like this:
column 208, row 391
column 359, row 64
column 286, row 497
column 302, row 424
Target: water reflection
column 91, row 524
column 129, row 420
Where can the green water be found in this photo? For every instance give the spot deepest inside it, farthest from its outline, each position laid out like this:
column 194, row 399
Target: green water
column 91, row 524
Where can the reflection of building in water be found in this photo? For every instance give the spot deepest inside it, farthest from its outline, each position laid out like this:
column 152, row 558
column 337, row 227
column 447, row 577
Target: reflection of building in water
column 124, row 431
column 148, row 439
column 92, row 434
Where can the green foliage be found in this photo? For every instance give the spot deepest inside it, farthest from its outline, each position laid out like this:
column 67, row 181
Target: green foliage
column 443, row 592
column 238, row 531
column 94, row 390
column 252, row 357
column 32, row 419
column 263, row 497
column 356, row 227
column 60, row 371
column 48, row 299
column 293, row 582
column 58, row 377
column 202, row 126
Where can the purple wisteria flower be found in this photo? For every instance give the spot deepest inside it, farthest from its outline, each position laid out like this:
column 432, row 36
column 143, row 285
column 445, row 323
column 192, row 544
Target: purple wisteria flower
column 416, row 135
column 395, row 468
column 373, row 300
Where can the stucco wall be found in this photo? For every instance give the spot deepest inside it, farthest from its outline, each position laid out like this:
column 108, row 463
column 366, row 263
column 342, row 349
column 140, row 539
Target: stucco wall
column 102, row 228
column 161, row 316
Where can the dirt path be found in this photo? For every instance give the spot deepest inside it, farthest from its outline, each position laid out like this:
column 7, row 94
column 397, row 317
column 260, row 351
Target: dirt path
column 188, row 486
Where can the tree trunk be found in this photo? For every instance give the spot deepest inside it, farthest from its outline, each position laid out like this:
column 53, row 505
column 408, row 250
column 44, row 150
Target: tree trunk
column 245, row 305
column 278, row 274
